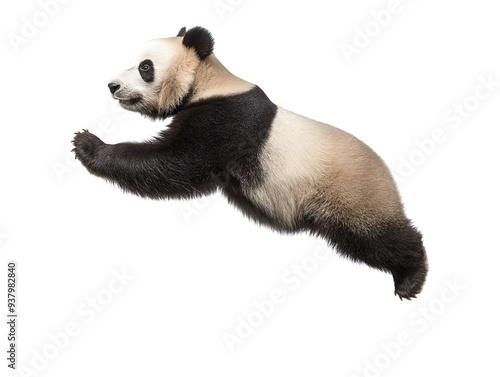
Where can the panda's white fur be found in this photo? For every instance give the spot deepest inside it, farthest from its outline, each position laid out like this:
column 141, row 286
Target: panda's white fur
column 304, row 160
column 282, row 169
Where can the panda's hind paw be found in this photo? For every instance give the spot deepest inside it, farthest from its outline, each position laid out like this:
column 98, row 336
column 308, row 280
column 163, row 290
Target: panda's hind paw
column 411, row 285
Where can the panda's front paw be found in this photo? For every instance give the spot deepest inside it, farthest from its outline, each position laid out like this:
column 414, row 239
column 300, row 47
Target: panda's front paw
column 87, row 147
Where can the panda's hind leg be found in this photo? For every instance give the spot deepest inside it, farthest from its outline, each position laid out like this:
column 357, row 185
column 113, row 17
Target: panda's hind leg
column 395, row 247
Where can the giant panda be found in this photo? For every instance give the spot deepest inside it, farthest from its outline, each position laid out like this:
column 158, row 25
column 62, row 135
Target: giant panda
column 279, row 168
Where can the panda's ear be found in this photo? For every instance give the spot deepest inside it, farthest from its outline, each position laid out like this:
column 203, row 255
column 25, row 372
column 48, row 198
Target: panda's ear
column 181, row 32
column 200, row 40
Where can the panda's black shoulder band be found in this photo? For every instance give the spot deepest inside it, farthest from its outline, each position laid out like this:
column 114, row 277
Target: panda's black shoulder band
column 227, row 132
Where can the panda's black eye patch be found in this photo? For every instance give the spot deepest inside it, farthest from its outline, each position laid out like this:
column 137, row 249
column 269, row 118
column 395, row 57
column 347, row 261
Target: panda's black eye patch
column 147, row 70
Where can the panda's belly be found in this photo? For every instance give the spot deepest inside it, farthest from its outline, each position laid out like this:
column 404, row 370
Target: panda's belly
column 292, row 160
column 316, row 169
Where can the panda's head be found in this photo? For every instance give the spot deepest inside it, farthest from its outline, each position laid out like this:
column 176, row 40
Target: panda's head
column 162, row 76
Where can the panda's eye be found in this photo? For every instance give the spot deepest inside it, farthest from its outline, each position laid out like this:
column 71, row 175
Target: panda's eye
column 147, row 70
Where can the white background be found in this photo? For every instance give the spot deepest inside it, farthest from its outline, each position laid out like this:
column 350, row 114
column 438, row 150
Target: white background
column 198, row 266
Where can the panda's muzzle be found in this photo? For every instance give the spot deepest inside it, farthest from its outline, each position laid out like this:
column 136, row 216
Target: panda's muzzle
column 121, row 94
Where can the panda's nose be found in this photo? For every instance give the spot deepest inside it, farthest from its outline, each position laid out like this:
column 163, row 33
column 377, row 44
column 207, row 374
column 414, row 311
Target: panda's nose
column 113, row 87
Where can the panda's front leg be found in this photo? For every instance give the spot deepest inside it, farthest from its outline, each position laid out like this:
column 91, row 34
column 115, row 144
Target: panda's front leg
column 146, row 169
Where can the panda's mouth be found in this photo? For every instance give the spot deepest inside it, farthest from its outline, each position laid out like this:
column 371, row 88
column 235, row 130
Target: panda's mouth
column 129, row 101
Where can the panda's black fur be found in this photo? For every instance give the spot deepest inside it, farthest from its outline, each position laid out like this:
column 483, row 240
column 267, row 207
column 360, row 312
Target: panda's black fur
column 198, row 39
column 147, row 70
column 221, row 142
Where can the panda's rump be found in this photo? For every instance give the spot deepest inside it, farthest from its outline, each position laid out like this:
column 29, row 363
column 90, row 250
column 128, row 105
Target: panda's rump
column 314, row 170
